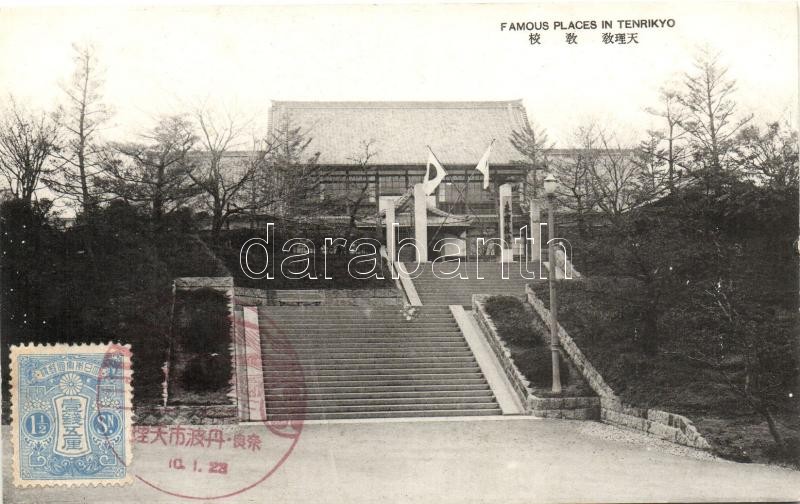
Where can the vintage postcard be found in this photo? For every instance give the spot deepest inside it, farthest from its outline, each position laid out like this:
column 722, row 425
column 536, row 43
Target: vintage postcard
column 428, row 253
column 71, row 414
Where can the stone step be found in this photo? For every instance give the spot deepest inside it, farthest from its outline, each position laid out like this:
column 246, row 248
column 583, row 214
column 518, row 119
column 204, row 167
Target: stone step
column 292, row 329
column 269, row 332
column 383, row 393
column 331, row 338
column 326, row 340
column 347, row 309
column 368, row 362
column 424, row 406
column 343, row 310
column 452, row 386
column 375, row 336
column 358, row 317
column 392, row 384
column 316, row 354
column 324, row 366
column 325, row 359
column 465, row 266
column 357, row 359
column 297, row 348
column 375, row 399
column 311, row 356
column 359, row 380
column 444, row 291
column 361, row 323
column 354, row 342
column 385, row 414
column 356, row 346
column 486, row 277
column 391, row 316
column 431, row 371
column 269, row 324
column 445, row 288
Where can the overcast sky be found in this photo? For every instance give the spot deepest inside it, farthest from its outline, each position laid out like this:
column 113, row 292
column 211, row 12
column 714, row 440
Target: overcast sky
column 162, row 60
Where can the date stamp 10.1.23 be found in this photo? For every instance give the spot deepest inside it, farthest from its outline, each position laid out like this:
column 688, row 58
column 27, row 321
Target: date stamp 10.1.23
column 71, row 414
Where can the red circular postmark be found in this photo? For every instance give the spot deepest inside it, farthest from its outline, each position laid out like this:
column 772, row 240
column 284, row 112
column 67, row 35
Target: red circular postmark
column 205, row 461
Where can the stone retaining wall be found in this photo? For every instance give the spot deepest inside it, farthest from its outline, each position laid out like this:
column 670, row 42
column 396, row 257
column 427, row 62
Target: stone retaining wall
column 330, row 297
column 662, row 424
column 576, row 408
column 186, row 415
column 191, row 283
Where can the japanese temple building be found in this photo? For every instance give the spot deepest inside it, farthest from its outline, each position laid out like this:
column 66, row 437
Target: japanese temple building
column 399, row 134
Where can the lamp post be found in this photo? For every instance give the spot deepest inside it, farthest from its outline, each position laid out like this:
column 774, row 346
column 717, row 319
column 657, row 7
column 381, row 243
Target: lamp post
column 550, row 185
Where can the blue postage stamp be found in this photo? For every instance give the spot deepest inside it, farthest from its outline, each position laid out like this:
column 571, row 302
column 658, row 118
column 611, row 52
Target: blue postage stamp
column 71, row 414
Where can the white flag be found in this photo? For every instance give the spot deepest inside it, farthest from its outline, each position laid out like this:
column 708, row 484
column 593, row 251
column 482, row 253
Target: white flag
column 483, row 165
column 430, row 184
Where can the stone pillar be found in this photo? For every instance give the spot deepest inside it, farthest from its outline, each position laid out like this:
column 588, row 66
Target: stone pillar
column 391, row 239
column 256, row 398
column 421, row 222
column 240, row 367
column 506, row 228
column 536, row 219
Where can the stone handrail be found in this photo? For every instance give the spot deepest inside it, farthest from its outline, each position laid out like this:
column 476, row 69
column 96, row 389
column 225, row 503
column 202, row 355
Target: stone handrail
column 576, row 408
column 662, row 424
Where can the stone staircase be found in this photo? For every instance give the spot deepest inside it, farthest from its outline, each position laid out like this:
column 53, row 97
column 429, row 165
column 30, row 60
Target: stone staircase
column 368, row 362
column 433, row 290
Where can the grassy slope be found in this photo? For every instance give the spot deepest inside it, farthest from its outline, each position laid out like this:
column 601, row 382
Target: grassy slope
column 668, row 381
column 527, row 340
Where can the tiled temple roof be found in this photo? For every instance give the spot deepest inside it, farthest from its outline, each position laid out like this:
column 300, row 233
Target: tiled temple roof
column 457, row 132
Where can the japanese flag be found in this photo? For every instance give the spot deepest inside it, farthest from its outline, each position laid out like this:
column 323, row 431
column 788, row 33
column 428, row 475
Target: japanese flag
column 430, row 184
column 483, row 165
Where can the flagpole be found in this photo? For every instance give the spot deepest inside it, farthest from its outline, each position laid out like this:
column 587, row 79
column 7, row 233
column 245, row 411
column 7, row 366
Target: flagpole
column 461, row 196
column 434, row 155
column 438, row 229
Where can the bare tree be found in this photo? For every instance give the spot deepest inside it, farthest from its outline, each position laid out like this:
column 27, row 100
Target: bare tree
column 81, row 117
column 711, row 119
column 155, row 172
column 614, row 178
column 258, row 196
column 574, row 174
column 673, row 135
column 358, row 193
column 219, row 175
column 27, row 142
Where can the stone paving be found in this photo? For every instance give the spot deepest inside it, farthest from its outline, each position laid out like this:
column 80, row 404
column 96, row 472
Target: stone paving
column 497, row 459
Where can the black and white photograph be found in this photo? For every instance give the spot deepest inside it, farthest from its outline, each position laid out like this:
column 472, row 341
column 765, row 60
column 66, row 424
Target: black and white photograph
column 400, row 252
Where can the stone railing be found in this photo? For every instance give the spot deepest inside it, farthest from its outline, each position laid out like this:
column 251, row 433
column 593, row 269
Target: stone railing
column 515, row 377
column 577, row 408
column 662, row 424
column 407, row 291
column 407, row 286
column 565, row 265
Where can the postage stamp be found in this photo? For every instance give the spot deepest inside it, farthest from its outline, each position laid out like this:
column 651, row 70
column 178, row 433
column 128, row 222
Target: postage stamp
column 71, row 414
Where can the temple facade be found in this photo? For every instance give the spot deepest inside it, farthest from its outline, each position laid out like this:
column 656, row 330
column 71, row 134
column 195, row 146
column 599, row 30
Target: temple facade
column 373, row 153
